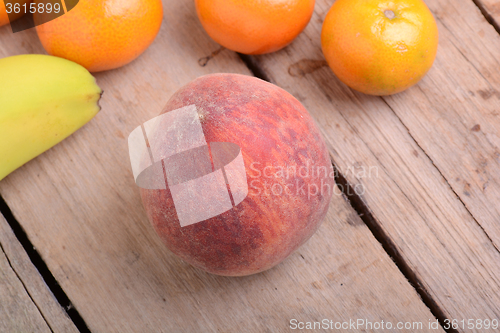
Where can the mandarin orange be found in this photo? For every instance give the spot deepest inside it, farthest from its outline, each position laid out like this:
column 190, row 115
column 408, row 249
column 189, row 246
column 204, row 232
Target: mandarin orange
column 102, row 34
column 379, row 47
column 254, row 26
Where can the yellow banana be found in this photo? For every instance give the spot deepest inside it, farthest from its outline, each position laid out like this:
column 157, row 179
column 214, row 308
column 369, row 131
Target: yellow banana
column 43, row 100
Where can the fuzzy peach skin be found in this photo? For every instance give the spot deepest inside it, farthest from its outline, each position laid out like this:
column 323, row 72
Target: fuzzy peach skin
column 274, row 132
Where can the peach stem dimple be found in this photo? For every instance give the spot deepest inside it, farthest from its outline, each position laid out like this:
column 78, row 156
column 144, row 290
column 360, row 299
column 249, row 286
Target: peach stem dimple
column 389, row 14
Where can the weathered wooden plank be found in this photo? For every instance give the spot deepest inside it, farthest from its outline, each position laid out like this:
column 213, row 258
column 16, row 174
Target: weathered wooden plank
column 81, row 209
column 433, row 189
column 462, row 116
column 131, row 282
column 26, row 303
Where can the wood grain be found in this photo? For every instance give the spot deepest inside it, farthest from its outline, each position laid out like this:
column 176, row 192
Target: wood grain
column 81, row 209
column 434, row 188
column 26, row 303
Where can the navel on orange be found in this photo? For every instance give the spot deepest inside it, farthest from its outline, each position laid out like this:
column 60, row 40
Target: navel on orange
column 379, row 47
column 102, row 34
column 254, row 26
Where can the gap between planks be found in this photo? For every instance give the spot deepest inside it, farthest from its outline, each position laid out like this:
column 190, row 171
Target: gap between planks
column 42, row 268
column 487, row 15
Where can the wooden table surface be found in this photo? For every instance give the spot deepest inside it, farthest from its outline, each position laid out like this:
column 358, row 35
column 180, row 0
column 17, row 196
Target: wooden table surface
column 419, row 241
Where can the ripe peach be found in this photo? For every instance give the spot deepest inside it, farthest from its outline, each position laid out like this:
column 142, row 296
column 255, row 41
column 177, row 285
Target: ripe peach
column 288, row 173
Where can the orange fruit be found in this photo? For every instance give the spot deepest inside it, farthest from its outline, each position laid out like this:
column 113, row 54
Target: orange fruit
column 379, row 47
column 254, row 26
column 102, row 34
column 4, row 18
